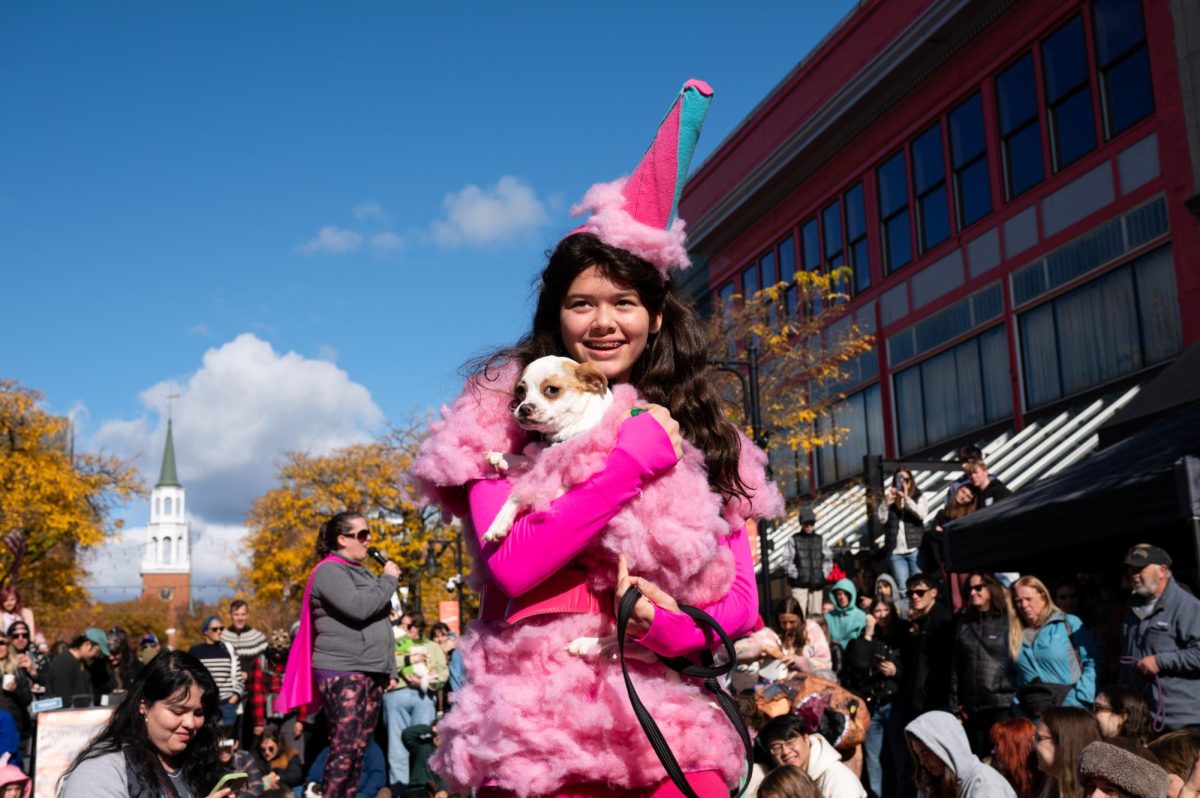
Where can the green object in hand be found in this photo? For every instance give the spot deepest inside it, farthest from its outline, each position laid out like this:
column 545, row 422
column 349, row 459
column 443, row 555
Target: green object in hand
column 637, row 411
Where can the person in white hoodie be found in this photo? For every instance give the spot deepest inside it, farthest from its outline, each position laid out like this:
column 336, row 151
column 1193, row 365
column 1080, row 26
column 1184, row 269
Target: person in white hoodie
column 944, row 764
column 790, row 741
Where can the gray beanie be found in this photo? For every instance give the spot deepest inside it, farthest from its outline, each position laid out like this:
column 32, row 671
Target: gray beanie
column 1134, row 774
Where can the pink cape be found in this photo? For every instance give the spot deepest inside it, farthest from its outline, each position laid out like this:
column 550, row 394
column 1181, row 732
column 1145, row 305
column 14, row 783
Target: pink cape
column 298, row 690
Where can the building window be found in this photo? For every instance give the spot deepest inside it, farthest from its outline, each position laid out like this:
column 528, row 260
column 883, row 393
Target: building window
column 750, row 280
column 831, row 221
column 811, row 239
column 893, row 212
column 1115, row 325
column 929, row 187
column 1127, row 94
column 1068, row 94
column 861, row 416
column 158, row 506
column 166, row 550
column 153, row 549
column 969, row 160
column 953, row 392
column 856, row 237
column 167, row 506
column 787, row 271
column 1020, row 128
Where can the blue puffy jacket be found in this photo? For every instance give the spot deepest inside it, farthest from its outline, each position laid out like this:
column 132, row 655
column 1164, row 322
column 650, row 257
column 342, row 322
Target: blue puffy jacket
column 1062, row 652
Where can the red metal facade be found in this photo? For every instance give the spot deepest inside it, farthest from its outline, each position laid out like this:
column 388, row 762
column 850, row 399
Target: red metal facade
column 823, row 78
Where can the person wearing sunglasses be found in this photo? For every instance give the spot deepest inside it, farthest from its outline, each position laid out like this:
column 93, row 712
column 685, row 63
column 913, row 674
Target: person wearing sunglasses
column 344, row 652
column 220, row 660
column 924, row 664
column 981, row 690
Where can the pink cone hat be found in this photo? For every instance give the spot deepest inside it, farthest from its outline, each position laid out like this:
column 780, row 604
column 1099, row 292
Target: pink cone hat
column 638, row 213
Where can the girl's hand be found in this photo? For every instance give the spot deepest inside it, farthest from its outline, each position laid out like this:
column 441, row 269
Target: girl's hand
column 223, row 793
column 652, row 595
column 670, row 426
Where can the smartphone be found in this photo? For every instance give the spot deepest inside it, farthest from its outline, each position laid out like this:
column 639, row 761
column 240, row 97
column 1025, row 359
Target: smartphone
column 234, row 781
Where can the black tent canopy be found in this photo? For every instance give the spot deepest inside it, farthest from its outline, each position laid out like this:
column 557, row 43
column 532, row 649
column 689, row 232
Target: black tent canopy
column 1145, row 485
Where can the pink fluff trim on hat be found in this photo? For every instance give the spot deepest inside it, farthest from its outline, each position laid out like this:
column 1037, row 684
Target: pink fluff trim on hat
column 614, row 225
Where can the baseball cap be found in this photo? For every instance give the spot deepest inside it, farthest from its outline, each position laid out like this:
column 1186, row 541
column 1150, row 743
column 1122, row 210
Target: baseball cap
column 1144, row 554
column 807, row 516
column 149, row 639
column 98, row 637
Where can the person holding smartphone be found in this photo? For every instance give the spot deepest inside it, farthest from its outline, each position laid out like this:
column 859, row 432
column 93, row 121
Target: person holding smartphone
column 162, row 739
column 903, row 513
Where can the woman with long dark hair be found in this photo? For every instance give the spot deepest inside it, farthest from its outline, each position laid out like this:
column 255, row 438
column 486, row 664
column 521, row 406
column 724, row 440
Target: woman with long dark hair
column 1123, row 712
column 160, row 741
column 902, row 512
column 803, row 647
column 605, row 299
column 981, row 689
column 344, row 652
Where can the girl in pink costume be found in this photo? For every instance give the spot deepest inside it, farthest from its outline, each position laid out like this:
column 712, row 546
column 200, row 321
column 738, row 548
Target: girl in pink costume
column 671, row 489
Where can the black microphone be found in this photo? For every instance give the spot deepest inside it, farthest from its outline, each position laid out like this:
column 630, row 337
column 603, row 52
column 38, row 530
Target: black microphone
column 377, row 555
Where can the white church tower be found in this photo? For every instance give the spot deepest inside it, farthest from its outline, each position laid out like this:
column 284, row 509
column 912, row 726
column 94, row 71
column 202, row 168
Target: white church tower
column 167, row 560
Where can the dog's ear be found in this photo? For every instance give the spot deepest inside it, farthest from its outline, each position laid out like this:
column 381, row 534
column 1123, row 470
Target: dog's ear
column 590, row 379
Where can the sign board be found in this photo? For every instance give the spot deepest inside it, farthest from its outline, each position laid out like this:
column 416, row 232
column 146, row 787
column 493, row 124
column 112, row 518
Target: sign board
column 448, row 614
column 61, row 735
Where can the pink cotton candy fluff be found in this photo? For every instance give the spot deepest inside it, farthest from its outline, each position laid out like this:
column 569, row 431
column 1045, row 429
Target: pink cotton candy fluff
column 613, row 224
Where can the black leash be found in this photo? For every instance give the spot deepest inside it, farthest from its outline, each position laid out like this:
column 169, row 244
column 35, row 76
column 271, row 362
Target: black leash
column 704, row 670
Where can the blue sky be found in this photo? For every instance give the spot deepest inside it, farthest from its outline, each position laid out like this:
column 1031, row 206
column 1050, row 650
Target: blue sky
column 303, row 217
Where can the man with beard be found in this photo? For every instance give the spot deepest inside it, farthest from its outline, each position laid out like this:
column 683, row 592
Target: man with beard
column 1160, row 638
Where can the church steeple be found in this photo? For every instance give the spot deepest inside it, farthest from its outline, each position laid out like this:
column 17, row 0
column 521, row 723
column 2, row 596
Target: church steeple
column 167, row 476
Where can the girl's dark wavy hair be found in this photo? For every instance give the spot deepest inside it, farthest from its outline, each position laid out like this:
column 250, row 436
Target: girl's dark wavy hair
column 673, row 371
column 169, row 675
column 327, row 536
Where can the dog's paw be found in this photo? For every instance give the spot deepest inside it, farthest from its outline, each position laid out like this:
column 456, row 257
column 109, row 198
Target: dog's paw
column 583, row 646
column 497, row 460
column 494, row 534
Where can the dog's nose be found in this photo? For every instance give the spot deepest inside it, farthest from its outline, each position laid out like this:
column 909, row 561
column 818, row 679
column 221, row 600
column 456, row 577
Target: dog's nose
column 524, row 411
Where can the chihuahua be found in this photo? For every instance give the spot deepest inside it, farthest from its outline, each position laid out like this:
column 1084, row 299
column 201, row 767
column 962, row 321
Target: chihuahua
column 560, row 399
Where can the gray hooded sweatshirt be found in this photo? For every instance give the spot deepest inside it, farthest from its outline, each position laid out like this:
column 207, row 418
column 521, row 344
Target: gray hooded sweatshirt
column 944, row 736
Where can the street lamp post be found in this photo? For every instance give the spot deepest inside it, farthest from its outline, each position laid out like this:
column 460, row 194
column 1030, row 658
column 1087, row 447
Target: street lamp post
column 431, row 565
column 747, row 373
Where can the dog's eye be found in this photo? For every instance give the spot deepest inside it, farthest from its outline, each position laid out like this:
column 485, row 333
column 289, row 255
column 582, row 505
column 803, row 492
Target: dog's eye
column 520, row 391
column 550, row 390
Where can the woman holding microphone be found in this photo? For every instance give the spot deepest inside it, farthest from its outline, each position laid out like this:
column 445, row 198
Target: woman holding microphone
column 344, row 652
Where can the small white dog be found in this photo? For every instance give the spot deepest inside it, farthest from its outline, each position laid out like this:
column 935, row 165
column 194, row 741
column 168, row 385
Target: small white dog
column 560, row 399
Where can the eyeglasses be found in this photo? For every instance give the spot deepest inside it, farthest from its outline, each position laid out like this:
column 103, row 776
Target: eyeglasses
column 978, row 588
column 919, row 591
column 1101, row 708
column 20, row 635
column 3, row 642
column 778, row 748
column 412, row 626
column 362, row 535
column 216, row 628
column 1041, row 738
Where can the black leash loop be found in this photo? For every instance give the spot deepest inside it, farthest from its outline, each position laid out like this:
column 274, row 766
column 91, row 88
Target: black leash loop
column 704, row 670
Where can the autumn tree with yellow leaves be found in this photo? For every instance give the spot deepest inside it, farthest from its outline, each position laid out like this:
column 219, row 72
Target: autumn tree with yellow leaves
column 808, row 347
column 53, row 501
column 370, row 478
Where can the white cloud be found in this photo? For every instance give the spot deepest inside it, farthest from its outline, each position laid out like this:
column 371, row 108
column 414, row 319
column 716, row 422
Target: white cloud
column 327, row 352
column 235, row 417
column 478, row 216
column 370, row 210
column 386, row 242
column 331, row 240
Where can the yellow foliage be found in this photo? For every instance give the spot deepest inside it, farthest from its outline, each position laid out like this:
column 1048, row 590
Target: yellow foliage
column 63, row 502
column 370, row 478
column 806, row 346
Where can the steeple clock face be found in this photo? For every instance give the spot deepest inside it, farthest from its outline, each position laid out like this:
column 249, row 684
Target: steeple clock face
column 166, row 593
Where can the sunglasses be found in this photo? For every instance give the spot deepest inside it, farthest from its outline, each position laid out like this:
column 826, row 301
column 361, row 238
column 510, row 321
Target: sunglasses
column 978, row 588
column 362, row 535
column 216, row 629
column 20, row 635
column 919, row 591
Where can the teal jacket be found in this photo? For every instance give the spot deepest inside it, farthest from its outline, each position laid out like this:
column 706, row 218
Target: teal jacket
column 1062, row 652
column 845, row 624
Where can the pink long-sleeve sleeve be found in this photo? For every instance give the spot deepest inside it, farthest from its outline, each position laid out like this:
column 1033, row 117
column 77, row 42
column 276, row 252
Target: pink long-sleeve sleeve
column 540, row 543
column 673, row 634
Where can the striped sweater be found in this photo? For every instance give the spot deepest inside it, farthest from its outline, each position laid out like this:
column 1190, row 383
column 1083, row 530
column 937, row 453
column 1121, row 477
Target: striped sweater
column 221, row 662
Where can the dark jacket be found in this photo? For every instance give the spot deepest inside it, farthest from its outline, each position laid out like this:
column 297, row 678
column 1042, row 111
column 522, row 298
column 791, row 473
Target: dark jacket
column 926, row 659
column 68, row 677
column 911, row 519
column 994, row 492
column 1172, row 634
column 859, row 674
column 809, row 558
column 981, row 676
